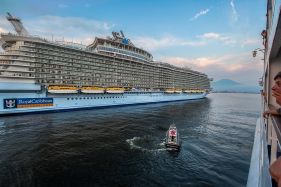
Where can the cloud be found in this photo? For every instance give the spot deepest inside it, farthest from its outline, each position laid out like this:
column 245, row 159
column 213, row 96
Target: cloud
column 63, row 6
column 239, row 67
column 251, row 41
column 219, row 37
column 150, row 43
column 201, row 13
column 69, row 28
column 2, row 30
column 234, row 12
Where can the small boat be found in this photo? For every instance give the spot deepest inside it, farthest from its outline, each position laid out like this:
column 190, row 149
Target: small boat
column 170, row 90
column 58, row 89
column 187, row 91
column 115, row 90
column 178, row 91
column 172, row 138
column 92, row 89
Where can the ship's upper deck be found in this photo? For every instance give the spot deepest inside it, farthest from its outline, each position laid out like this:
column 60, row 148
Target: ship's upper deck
column 119, row 45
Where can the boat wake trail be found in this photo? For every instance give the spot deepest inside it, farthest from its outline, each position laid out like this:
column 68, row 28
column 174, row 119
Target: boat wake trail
column 146, row 144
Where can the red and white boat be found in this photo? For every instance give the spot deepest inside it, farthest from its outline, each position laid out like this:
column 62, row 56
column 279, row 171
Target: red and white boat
column 172, row 138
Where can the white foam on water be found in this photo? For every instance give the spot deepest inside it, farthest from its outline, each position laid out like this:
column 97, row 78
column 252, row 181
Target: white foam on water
column 132, row 143
column 2, row 123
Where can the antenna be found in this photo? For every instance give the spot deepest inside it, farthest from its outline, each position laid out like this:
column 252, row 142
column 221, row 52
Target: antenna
column 122, row 34
column 17, row 24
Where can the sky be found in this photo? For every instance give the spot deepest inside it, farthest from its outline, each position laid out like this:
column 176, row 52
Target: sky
column 216, row 37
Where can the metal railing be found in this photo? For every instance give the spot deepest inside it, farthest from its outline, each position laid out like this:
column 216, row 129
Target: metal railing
column 258, row 172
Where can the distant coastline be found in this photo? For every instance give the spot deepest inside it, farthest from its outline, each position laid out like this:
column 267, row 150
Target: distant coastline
column 230, row 86
column 234, row 92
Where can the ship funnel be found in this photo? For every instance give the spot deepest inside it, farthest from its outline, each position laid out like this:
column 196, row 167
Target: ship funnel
column 17, row 24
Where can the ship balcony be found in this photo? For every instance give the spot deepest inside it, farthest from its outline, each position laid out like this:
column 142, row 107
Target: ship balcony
column 15, row 64
column 15, row 76
column 10, row 70
column 13, row 53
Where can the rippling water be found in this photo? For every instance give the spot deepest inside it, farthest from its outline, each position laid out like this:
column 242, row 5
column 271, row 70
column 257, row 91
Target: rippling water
column 124, row 146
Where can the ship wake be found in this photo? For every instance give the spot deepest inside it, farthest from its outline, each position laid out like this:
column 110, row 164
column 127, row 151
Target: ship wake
column 146, row 144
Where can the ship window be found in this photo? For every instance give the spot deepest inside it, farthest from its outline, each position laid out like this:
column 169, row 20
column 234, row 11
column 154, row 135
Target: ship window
column 67, row 98
column 72, row 98
column 76, row 98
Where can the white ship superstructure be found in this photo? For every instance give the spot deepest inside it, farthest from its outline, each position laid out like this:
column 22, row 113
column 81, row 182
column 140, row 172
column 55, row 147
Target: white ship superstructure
column 41, row 75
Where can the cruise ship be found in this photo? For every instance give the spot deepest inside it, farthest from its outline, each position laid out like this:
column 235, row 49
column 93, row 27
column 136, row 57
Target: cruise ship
column 39, row 75
column 266, row 150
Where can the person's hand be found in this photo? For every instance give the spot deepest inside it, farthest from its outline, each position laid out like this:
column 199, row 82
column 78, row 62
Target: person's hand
column 266, row 114
column 269, row 112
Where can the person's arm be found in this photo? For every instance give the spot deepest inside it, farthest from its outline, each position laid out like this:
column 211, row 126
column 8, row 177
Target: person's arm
column 275, row 171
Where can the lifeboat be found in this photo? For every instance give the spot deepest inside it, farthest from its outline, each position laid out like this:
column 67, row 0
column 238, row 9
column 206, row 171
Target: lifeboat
column 170, row 90
column 178, row 91
column 187, row 91
column 62, row 89
column 115, row 90
column 172, row 138
column 92, row 89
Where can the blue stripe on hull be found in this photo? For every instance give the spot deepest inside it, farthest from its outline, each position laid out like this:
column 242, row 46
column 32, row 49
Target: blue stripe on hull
column 89, row 108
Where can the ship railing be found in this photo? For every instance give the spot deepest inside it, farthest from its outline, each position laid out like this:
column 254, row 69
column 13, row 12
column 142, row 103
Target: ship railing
column 16, row 53
column 273, row 132
column 274, row 135
column 258, row 173
column 72, row 45
column 266, row 149
column 17, row 35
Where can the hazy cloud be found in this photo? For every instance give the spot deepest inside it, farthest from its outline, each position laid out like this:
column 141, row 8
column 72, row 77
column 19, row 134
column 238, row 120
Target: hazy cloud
column 63, row 6
column 234, row 12
column 150, row 43
column 201, row 13
column 219, row 37
column 251, row 41
column 2, row 30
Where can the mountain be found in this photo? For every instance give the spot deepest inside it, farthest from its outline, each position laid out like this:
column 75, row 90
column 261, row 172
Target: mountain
column 228, row 85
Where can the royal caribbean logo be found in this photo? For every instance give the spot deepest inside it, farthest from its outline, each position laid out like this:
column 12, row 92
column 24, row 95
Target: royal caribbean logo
column 28, row 102
column 10, row 103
